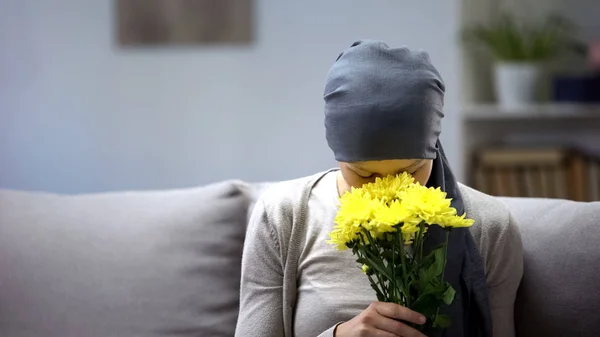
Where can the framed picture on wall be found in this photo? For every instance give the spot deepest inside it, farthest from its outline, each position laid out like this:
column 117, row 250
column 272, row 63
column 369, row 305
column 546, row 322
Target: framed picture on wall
column 184, row 22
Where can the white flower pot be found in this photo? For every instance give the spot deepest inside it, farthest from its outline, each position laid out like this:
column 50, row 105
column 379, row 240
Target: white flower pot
column 516, row 84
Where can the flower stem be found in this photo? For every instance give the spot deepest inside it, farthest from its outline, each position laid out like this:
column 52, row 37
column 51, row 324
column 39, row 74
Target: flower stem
column 406, row 291
column 445, row 253
column 376, row 285
column 374, row 256
column 418, row 244
column 393, row 281
column 421, row 235
column 443, row 268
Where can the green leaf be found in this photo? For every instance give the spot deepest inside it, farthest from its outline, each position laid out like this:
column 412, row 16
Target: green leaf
column 380, row 296
column 430, row 257
column 448, row 295
column 442, row 321
column 377, row 265
column 390, row 255
column 510, row 40
column 427, row 305
column 434, row 266
column 438, row 265
column 361, row 261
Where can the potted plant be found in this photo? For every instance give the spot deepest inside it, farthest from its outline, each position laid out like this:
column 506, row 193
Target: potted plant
column 519, row 51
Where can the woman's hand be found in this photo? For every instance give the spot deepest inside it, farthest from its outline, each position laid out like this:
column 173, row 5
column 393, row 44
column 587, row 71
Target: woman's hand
column 382, row 319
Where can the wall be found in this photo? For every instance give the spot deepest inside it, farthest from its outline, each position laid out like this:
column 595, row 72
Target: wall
column 78, row 114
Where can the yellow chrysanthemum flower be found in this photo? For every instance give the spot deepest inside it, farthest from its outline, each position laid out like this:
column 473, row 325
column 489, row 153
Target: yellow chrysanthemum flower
column 455, row 221
column 409, row 230
column 429, row 204
column 340, row 238
column 377, row 220
column 356, row 211
column 386, row 217
column 385, row 189
column 392, row 202
column 356, row 205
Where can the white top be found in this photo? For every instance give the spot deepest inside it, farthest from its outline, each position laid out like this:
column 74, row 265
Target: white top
column 330, row 281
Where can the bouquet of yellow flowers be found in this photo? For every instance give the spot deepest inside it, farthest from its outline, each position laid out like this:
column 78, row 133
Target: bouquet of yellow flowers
column 385, row 224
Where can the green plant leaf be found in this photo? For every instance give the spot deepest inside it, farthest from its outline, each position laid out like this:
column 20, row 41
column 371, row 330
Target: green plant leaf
column 449, row 294
column 427, row 304
column 430, row 298
column 429, row 258
column 380, row 296
column 508, row 40
column 434, row 265
column 442, row 321
column 377, row 265
column 389, row 255
column 438, row 265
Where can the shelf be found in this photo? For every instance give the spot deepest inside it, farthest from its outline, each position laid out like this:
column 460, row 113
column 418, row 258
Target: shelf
column 493, row 112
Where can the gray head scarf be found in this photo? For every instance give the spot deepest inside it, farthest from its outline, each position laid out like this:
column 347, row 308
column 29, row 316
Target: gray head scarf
column 385, row 103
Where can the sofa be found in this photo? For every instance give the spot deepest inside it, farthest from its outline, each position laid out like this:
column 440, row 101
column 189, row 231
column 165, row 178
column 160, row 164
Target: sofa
column 167, row 263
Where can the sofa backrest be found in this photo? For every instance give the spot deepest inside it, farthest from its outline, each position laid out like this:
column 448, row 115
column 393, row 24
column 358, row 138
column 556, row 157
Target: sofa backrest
column 165, row 263
column 560, row 291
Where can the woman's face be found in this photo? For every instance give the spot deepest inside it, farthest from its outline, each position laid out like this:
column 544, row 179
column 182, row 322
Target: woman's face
column 358, row 173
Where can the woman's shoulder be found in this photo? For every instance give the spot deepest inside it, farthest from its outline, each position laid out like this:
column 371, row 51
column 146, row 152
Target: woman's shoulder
column 499, row 241
column 278, row 207
column 493, row 219
column 483, row 205
column 284, row 200
column 290, row 191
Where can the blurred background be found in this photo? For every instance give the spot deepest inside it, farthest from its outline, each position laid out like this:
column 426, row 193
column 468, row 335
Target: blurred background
column 156, row 94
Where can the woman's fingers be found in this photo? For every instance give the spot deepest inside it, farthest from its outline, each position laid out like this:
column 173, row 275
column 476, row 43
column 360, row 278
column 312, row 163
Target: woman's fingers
column 382, row 319
column 396, row 328
column 396, row 311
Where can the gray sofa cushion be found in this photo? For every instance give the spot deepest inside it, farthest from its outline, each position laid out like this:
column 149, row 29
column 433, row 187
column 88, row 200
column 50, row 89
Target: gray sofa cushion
column 560, row 291
column 123, row 264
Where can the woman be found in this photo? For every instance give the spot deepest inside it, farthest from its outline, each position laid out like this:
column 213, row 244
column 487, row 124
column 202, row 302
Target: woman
column 383, row 112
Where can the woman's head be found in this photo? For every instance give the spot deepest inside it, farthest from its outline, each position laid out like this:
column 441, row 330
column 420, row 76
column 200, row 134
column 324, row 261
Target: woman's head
column 383, row 111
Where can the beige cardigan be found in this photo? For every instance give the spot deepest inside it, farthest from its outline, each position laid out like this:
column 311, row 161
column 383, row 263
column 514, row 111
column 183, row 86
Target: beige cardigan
column 273, row 246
